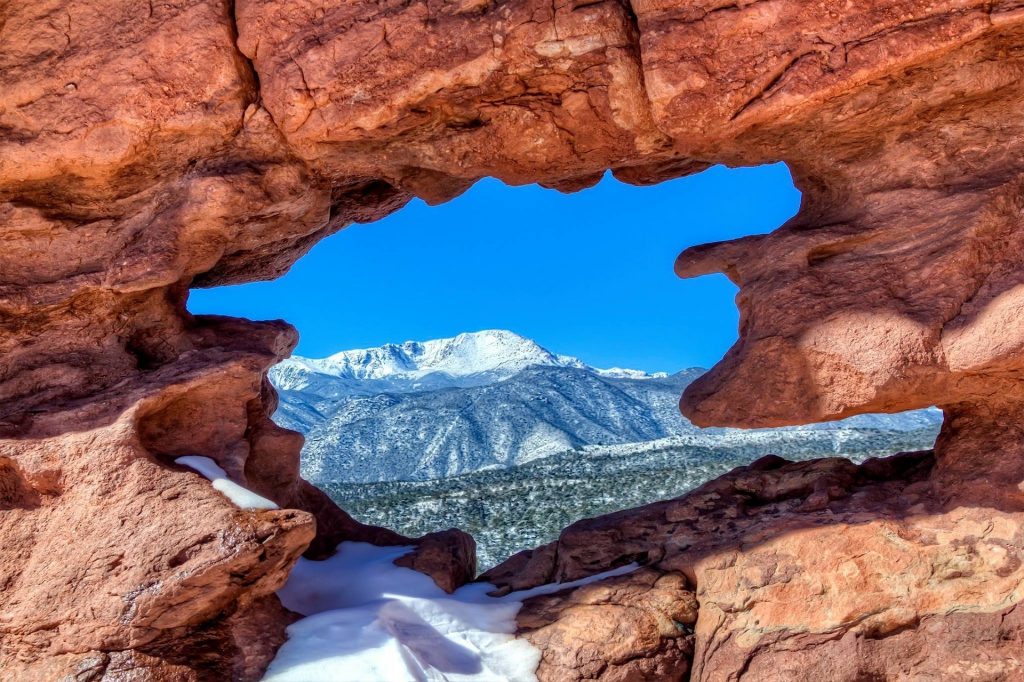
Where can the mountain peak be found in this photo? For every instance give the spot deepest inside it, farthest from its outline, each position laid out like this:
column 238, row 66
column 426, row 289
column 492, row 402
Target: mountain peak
column 468, row 359
column 462, row 355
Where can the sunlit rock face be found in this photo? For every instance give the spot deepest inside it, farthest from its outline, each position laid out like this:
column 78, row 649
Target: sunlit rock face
column 147, row 150
column 807, row 571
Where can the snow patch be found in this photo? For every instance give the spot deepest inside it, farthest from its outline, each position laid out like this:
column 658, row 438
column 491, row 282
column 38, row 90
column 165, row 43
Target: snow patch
column 367, row 619
column 622, row 373
column 241, row 497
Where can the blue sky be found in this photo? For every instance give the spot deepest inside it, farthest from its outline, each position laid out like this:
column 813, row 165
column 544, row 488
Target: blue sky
column 588, row 274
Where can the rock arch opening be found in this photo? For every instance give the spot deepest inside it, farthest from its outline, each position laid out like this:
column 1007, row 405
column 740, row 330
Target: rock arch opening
column 513, row 435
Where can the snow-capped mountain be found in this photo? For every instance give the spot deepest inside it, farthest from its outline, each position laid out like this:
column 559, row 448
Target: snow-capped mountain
column 422, row 410
column 471, row 359
column 432, row 434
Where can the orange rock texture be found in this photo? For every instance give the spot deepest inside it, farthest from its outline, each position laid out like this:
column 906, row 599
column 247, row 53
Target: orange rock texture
column 146, row 149
column 637, row 626
column 809, row 571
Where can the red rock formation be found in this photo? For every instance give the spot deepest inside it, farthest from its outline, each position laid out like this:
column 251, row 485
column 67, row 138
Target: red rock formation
column 638, row 626
column 818, row 570
column 144, row 151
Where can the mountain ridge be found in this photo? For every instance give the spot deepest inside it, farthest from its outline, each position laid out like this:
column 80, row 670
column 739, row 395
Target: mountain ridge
column 467, row 359
column 482, row 400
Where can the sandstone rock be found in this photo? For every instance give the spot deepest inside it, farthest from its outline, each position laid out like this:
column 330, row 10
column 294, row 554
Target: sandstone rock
column 431, row 96
column 841, row 311
column 883, row 580
column 449, row 557
column 203, row 142
column 638, row 626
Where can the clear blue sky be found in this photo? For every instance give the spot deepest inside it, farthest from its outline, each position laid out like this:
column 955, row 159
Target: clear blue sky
column 588, row 274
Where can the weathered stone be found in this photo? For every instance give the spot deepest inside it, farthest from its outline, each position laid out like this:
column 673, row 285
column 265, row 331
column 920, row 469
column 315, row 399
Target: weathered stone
column 204, row 142
column 638, row 626
column 449, row 557
column 884, row 579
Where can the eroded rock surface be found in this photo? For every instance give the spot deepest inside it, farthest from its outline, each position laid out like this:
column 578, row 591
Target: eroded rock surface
column 817, row 570
column 146, row 150
column 638, row 626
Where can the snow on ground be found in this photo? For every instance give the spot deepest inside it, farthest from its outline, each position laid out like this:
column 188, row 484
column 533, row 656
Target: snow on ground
column 241, row 497
column 368, row 620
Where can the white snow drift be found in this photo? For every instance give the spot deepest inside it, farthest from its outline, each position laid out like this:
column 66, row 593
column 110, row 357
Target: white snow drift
column 239, row 496
column 367, row 619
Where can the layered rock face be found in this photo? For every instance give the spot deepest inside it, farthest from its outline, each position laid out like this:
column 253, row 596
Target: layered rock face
column 807, row 571
column 638, row 626
column 147, row 150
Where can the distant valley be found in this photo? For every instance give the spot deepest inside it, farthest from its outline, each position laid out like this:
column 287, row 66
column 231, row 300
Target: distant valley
column 484, row 400
column 492, row 433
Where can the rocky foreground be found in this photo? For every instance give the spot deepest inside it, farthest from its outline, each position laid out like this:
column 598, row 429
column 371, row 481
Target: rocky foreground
column 145, row 150
column 818, row 570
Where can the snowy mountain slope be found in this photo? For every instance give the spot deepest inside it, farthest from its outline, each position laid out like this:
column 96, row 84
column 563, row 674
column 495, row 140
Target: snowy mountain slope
column 471, row 359
column 433, row 434
column 508, row 510
column 478, row 401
